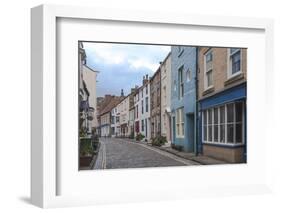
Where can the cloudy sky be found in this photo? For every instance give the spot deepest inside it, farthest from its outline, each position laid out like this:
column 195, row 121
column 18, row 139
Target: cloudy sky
column 122, row 65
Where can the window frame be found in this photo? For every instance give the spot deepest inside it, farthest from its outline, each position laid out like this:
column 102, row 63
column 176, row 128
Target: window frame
column 206, row 87
column 146, row 104
column 188, row 75
column 180, row 131
column 225, row 142
column 181, row 82
column 229, row 63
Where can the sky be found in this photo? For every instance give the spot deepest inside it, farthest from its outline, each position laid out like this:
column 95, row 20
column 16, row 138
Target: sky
column 122, row 66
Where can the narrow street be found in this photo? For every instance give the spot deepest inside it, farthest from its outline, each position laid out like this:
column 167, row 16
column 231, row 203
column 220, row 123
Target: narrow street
column 121, row 153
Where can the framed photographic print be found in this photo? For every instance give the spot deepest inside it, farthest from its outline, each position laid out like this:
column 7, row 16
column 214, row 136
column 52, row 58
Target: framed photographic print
column 130, row 106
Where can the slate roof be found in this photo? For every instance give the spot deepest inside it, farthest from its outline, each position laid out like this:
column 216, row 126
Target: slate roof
column 109, row 103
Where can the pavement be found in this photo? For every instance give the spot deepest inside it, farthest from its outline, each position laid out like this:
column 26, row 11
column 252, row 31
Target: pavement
column 117, row 153
column 201, row 159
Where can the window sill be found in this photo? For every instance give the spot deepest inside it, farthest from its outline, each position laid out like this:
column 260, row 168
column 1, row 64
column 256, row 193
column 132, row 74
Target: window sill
column 229, row 145
column 234, row 78
column 209, row 90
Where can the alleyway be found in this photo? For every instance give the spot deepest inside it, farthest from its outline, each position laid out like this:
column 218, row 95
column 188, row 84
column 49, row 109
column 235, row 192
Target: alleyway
column 122, row 153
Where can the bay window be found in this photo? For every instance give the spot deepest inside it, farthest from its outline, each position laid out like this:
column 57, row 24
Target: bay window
column 224, row 124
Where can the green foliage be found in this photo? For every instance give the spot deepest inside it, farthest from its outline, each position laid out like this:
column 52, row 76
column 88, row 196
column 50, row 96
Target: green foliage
column 159, row 140
column 86, row 147
column 82, row 132
column 139, row 137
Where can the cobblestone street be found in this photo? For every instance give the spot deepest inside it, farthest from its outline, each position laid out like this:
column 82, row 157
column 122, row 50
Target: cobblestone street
column 122, row 153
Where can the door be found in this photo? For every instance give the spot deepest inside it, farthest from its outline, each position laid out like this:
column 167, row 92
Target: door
column 190, row 131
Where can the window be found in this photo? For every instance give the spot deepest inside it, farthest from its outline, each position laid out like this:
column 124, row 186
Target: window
column 224, row 124
column 164, row 95
column 210, row 125
column 230, row 123
column 180, row 123
column 142, row 125
column 141, row 106
column 181, row 85
column 146, row 89
column 216, row 125
column 142, row 93
column 146, row 104
column 208, row 69
column 205, row 125
column 234, row 61
column 158, row 96
column 152, row 100
column 137, row 111
column 188, row 75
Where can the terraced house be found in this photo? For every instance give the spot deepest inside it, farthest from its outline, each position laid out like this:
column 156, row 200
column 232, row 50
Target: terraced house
column 87, row 93
column 166, row 98
column 183, row 97
column 104, row 115
column 222, row 103
column 123, row 111
column 142, row 109
column 155, row 104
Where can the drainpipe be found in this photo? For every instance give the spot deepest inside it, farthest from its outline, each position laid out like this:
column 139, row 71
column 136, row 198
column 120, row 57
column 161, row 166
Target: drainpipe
column 196, row 106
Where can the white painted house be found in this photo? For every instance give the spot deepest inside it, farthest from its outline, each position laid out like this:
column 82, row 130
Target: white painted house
column 115, row 124
column 90, row 79
column 142, row 109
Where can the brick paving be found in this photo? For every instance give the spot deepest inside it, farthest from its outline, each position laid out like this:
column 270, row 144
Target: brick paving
column 122, row 153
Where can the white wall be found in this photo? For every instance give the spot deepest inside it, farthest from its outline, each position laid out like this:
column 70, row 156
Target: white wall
column 15, row 107
column 145, row 115
column 90, row 78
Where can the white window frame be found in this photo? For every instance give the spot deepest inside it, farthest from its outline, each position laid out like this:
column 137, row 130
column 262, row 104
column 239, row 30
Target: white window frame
column 209, row 70
column 207, row 141
column 229, row 64
column 188, row 75
column 181, row 83
column 180, row 122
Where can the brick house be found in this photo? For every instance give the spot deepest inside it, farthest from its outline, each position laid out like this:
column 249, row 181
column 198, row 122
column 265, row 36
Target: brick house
column 155, row 104
column 222, row 103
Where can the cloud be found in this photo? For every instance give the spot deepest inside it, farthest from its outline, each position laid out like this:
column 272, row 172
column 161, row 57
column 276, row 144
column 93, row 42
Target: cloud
column 122, row 66
column 142, row 63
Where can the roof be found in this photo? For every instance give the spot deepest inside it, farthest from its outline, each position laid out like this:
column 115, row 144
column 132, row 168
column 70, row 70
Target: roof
column 90, row 68
column 109, row 103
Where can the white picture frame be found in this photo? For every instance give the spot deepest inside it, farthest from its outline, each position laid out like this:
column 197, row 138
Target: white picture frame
column 44, row 149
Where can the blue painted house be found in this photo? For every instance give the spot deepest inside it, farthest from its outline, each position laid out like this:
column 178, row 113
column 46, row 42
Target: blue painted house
column 183, row 97
column 222, row 95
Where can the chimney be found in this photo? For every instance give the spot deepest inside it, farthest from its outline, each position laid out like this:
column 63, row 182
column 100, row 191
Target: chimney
column 145, row 79
column 122, row 92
